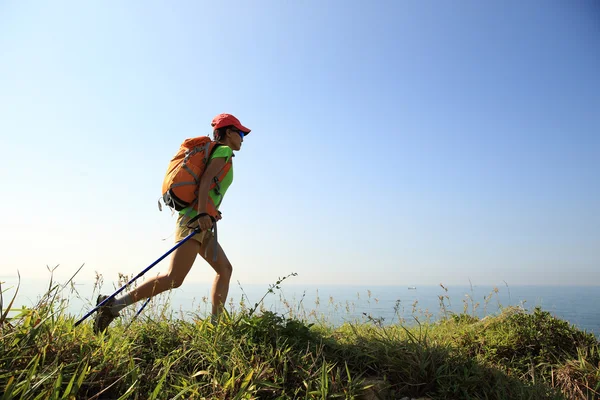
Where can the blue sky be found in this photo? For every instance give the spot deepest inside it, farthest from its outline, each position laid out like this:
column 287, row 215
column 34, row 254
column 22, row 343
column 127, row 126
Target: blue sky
column 393, row 143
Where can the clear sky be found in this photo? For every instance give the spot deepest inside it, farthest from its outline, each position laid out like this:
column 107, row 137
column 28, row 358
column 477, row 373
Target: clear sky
column 393, row 142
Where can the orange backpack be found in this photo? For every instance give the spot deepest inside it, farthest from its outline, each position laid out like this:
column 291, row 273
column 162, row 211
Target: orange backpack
column 180, row 186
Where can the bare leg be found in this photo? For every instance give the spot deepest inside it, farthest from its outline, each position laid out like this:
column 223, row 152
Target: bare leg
column 223, row 268
column 181, row 262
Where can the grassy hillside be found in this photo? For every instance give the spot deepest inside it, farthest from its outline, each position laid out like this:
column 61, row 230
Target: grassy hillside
column 254, row 353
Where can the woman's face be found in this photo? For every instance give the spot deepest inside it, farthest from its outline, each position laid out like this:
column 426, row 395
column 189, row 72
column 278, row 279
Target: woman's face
column 235, row 138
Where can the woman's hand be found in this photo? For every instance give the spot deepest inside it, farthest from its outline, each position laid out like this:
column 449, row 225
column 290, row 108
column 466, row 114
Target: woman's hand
column 205, row 222
column 202, row 222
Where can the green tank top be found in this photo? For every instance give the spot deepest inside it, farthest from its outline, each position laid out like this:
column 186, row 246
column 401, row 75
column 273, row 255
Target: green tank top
column 221, row 152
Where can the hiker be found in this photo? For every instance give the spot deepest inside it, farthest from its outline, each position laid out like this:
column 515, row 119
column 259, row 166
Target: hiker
column 228, row 135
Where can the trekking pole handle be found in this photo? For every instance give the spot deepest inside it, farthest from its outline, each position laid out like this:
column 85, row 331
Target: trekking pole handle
column 196, row 218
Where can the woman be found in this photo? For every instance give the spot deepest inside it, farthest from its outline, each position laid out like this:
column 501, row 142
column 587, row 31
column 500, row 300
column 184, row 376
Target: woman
column 229, row 133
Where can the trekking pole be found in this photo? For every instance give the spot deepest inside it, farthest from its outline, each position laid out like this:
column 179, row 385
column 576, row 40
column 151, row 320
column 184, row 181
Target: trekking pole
column 194, row 231
column 141, row 308
column 138, row 312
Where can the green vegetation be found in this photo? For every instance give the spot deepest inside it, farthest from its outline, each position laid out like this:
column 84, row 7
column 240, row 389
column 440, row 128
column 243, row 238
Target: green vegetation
column 257, row 354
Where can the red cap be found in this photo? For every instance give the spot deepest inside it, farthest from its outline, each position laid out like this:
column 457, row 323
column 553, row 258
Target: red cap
column 222, row 120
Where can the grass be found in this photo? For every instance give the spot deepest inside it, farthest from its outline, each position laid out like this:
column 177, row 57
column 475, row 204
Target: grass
column 253, row 353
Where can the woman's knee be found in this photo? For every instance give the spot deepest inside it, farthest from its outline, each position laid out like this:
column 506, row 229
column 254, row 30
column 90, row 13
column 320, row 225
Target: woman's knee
column 181, row 263
column 224, row 268
column 170, row 281
column 176, row 282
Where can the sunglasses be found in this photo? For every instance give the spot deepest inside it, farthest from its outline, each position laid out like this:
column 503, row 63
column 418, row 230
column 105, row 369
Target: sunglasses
column 240, row 133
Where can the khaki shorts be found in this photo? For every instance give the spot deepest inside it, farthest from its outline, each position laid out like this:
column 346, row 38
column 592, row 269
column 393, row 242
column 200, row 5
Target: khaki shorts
column 182, row 231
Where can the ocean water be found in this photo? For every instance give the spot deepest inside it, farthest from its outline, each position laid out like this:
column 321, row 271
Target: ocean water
column 340, row 303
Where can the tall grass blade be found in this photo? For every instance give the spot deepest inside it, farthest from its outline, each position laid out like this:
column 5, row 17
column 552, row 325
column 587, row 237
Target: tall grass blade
column 5, row 315
column 160, row 383
column 8, row 390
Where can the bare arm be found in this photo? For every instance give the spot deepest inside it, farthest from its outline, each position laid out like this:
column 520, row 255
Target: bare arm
column 212, row 169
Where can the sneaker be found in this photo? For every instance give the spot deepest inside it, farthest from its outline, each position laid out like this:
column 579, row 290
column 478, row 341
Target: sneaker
column 104, row 315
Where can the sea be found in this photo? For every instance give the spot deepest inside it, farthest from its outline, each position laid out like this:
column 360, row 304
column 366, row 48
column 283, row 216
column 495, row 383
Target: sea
column 334, row 304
